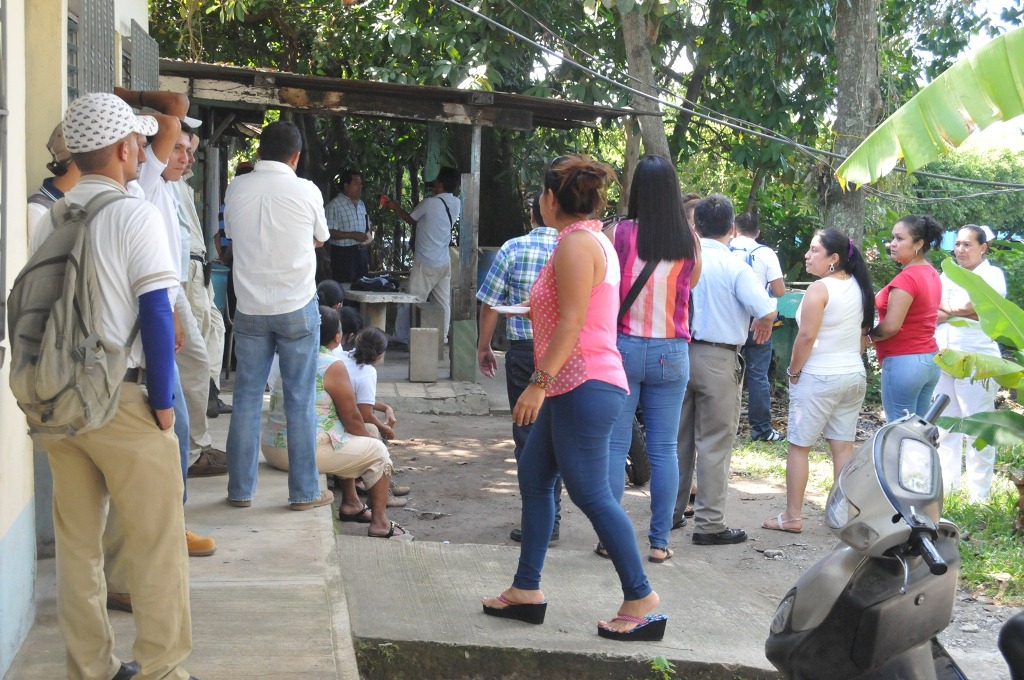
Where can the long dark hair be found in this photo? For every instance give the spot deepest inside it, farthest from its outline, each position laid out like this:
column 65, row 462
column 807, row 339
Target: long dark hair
column 923, row 228
column 852, row 262
column 656, row 204
column 330, row 324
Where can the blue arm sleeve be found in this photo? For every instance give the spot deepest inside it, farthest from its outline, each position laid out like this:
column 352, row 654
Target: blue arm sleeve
column 156, row 326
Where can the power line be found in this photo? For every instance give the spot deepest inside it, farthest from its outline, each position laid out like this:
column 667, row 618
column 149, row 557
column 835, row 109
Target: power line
column 725, row 120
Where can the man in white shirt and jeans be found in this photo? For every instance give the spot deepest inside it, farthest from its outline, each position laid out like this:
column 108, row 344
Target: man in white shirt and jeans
column 758, row 357
column 432, row 221
column 275, row 221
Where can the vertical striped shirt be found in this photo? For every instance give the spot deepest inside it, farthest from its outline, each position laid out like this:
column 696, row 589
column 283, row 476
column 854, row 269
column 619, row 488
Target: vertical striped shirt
column 661, row 310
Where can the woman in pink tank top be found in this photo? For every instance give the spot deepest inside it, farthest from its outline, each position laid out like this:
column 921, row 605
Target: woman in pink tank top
column 574, row 396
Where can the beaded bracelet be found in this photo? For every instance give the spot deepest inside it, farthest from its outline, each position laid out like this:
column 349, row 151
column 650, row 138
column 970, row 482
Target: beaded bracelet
column 542, row 379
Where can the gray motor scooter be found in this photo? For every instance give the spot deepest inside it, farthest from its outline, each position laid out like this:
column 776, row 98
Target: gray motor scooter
column 873, row 606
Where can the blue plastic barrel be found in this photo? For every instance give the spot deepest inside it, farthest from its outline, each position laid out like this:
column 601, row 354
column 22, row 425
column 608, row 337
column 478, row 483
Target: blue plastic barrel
column 220, row 287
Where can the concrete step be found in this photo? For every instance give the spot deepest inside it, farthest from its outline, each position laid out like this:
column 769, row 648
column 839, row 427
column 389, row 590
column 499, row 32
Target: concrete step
column 425, row 620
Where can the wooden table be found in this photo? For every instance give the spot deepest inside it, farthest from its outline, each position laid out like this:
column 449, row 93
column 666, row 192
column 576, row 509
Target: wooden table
column 374, row 306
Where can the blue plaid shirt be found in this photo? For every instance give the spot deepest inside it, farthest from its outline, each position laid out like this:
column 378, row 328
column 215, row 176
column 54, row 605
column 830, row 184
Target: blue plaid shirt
column 344, row 215
column 516, row 266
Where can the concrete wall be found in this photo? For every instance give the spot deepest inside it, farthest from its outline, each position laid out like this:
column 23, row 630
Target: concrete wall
column 17, row 524
column 36, row 56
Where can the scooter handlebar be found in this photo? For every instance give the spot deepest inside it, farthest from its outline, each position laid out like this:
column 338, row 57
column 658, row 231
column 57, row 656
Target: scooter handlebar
column 926, row 549
column 937, row 407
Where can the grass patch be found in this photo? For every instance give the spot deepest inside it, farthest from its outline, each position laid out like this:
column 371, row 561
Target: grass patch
column 988, row 546
column 765, row 460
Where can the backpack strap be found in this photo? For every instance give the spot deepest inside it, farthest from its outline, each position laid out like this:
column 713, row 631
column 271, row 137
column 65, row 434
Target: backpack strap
column 39, row 198
column 63, row 211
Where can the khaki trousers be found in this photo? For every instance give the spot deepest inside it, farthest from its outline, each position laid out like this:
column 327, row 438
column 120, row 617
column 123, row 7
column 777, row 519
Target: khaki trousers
column 194, row 368
column 208, row 317
column 426, row 282
column 135, row 465
column 707, row 432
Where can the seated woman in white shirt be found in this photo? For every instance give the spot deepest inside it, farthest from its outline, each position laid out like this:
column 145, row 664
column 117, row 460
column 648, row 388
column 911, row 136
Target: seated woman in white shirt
column 361, row 362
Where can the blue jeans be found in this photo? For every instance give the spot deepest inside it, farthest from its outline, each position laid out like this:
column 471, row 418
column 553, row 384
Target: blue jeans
column 518, row 369
column 908, row 381
column 181, row 429
column 571, row 437
column 295, row 336
column 758, row 360
column 657, row 370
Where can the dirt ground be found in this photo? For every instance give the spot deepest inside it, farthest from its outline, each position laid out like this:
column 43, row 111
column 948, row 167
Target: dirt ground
column 464, row 490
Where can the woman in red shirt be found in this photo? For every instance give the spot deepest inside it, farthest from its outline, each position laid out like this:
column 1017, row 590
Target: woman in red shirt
column 908, row 309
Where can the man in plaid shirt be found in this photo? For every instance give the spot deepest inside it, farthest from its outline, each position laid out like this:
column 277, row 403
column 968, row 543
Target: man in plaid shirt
column 508, row 282
column 349, row 226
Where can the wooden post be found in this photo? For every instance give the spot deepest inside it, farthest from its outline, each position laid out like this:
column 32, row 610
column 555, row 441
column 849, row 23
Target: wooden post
column 462, row 355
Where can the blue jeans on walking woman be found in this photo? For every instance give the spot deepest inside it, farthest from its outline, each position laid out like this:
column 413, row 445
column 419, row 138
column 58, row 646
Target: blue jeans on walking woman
column 908, row 381
column 571, row 437
column 657, row 370
column 295, row 336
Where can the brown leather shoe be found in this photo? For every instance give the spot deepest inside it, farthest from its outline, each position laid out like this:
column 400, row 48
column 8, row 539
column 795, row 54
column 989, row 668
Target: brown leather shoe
column 211, row 462
column 394, row 502
column 326, row 498
column 121, row 602
column 199, row 546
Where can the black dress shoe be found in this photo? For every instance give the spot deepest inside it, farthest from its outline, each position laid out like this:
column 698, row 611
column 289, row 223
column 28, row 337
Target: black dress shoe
column 127, row 671
column 727, row 537
column 517, row 535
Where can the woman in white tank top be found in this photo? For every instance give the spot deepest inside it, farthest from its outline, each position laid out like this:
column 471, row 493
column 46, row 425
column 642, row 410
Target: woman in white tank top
column 826, row 371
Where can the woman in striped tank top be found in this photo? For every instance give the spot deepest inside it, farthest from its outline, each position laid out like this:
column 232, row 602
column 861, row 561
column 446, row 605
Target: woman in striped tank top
column 574, row 395
column 654, row 334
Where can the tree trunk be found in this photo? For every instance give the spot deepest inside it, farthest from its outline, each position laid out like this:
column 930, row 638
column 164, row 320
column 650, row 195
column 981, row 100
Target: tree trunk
column 632, row 156
column 636, row 35
column 858, row 105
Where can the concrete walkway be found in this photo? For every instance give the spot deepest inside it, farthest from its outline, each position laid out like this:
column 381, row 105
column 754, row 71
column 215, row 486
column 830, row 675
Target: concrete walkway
column 268, row 604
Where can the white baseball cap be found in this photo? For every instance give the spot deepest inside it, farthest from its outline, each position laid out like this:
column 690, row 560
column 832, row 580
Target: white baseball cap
column 192, row 122
column 100, row 119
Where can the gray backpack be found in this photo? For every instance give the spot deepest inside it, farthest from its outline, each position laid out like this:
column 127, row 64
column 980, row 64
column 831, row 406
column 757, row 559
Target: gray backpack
column 64, row 375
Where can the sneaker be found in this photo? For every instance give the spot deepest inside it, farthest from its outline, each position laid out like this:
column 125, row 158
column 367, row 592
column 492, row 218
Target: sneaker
column 773, row 436
column 326, row 498
column 199, row 546
column 397, row 490
column 395, row 502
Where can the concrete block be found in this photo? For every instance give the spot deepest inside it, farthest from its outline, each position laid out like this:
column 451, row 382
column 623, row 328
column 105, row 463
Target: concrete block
column 431, row 315
column 423, row 354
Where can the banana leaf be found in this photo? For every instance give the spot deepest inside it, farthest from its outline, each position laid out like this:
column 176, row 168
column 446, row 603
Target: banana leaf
column 984, row 87
column 999, row 428
column 979, row 367
column 1001, row 320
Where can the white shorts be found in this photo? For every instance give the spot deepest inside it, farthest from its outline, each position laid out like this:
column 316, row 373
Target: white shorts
column 826, row 405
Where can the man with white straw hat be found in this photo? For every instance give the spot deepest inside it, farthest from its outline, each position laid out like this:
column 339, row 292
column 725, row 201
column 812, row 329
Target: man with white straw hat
column 131, row 462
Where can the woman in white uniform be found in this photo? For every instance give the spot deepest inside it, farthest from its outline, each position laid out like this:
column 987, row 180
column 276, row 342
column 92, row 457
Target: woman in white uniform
column 966, row 397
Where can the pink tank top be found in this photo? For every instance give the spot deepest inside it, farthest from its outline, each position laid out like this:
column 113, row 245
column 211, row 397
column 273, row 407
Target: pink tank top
column 595, row 356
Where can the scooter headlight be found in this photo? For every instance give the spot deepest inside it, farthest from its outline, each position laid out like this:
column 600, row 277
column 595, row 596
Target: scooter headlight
column 917, row 467
column 839, row 510
column 780, row 622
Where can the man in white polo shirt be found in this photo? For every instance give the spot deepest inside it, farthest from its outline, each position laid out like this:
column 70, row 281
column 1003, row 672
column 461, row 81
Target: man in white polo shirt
column 131, row 462
column 275, row 221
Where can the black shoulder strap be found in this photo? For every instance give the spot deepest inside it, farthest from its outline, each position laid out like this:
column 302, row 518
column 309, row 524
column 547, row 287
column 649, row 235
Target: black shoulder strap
column 638, row 285
column 451, row 220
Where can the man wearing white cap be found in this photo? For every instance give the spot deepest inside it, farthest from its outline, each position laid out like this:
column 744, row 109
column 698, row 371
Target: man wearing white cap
column 131, row 462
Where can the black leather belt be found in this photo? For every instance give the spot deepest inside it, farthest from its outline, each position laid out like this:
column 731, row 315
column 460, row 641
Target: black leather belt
column 135, row 375
column 198, row 258
column 719, row 345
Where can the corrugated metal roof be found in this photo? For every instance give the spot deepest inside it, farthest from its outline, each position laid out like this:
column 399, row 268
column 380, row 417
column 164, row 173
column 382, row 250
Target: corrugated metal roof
column 232, row 87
